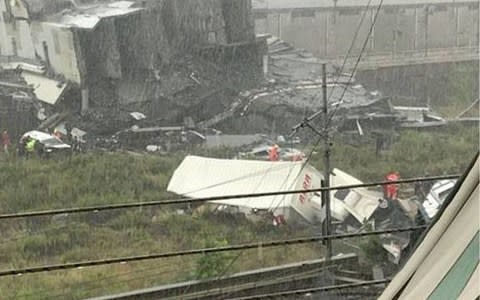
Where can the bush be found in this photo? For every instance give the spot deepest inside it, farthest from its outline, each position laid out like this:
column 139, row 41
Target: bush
column 212, row 264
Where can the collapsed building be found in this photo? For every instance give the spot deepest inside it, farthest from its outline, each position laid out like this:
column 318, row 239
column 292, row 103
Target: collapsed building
column 184, row 65
column 169, row 54
column 293, row 91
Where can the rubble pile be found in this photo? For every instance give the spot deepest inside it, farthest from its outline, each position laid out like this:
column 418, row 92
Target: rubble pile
column 185, row 99
column 178, row 96
column 292, row 91
column 19, row 109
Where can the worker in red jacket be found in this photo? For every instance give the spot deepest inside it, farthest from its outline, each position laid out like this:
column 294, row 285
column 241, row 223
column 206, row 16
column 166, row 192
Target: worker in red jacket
column 273, row 153
column 390, row 191
column 6, row 142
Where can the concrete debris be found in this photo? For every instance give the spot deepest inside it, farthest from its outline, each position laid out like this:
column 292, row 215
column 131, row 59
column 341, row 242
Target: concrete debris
column 138, row 116
column 292, row 88
column 196, row 94
column 78, row 134
column 41, row 116
column 18, row 103
column 203, row 55
column 232, row 141
column 48, row 121
column 153, row 148
column 45, row 89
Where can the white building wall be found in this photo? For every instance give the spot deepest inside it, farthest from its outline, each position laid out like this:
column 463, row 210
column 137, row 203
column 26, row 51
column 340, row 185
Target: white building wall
column 15, row 35
column 30, row 36
column 60, row 43
column 402, row 25
column 24, row 40
column 5, row 40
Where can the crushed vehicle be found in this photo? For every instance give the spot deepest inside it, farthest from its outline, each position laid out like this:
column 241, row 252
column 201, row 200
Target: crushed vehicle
column 45, row 143
column 434, row 200
column 206, row 177
column 351, row 209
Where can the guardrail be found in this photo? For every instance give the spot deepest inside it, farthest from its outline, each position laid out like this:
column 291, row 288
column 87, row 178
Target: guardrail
column 244, row 281
column 411, row 57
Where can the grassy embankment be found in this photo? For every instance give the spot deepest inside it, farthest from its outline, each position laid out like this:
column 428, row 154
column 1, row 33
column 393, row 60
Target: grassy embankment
column 94, row 179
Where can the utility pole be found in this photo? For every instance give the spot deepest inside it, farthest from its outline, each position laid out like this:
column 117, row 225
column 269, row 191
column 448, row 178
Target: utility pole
column 325, row 135
column 327, row 167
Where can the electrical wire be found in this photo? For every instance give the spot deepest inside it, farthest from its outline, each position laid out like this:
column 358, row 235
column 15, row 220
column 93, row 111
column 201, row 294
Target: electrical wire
column 355, row 67
column 342, row 68
column 288, row 242
column 113, row 280
column 352, row 45
column 314, row 290
column 99, row 208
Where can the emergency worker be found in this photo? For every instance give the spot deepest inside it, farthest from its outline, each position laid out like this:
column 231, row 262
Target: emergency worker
column 390, row 191
column 6, row 142
column 30, row 147
column 273, row 153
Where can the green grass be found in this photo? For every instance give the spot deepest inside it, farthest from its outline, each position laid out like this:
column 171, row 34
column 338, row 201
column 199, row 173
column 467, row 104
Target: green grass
column 94, row 179
column 446, row 151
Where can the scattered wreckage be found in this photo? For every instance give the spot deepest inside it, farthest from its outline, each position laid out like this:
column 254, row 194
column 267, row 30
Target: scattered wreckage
column 199, row 177
column 45, row 144
column 352, row 209
column 288, row 93
column 435, row 198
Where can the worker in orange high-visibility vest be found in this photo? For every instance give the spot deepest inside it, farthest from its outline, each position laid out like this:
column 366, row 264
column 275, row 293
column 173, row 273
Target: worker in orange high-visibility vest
column 273, row 154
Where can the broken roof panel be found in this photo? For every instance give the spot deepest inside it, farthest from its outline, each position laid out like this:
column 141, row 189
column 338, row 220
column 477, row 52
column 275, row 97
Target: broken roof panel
column 16, row 65
column 45, row 89
column 88, row 18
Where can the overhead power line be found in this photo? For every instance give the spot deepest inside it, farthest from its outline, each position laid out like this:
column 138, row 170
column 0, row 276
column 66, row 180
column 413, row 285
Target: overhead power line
column 315, row 290
column 284, row 242
column 342, row 69
column 324, row 134
column 324, row 84
column 307, row 121
column 99, row 208
column 356, row 65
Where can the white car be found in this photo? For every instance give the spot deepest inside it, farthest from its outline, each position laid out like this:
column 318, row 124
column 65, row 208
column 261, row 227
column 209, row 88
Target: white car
column 49, row 143
column 437, row 196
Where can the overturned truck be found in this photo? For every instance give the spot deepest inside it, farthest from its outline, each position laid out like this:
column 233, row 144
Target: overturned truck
column 199, row 177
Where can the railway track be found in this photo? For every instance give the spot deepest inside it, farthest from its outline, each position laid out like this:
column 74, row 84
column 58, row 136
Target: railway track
column 302, row 275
